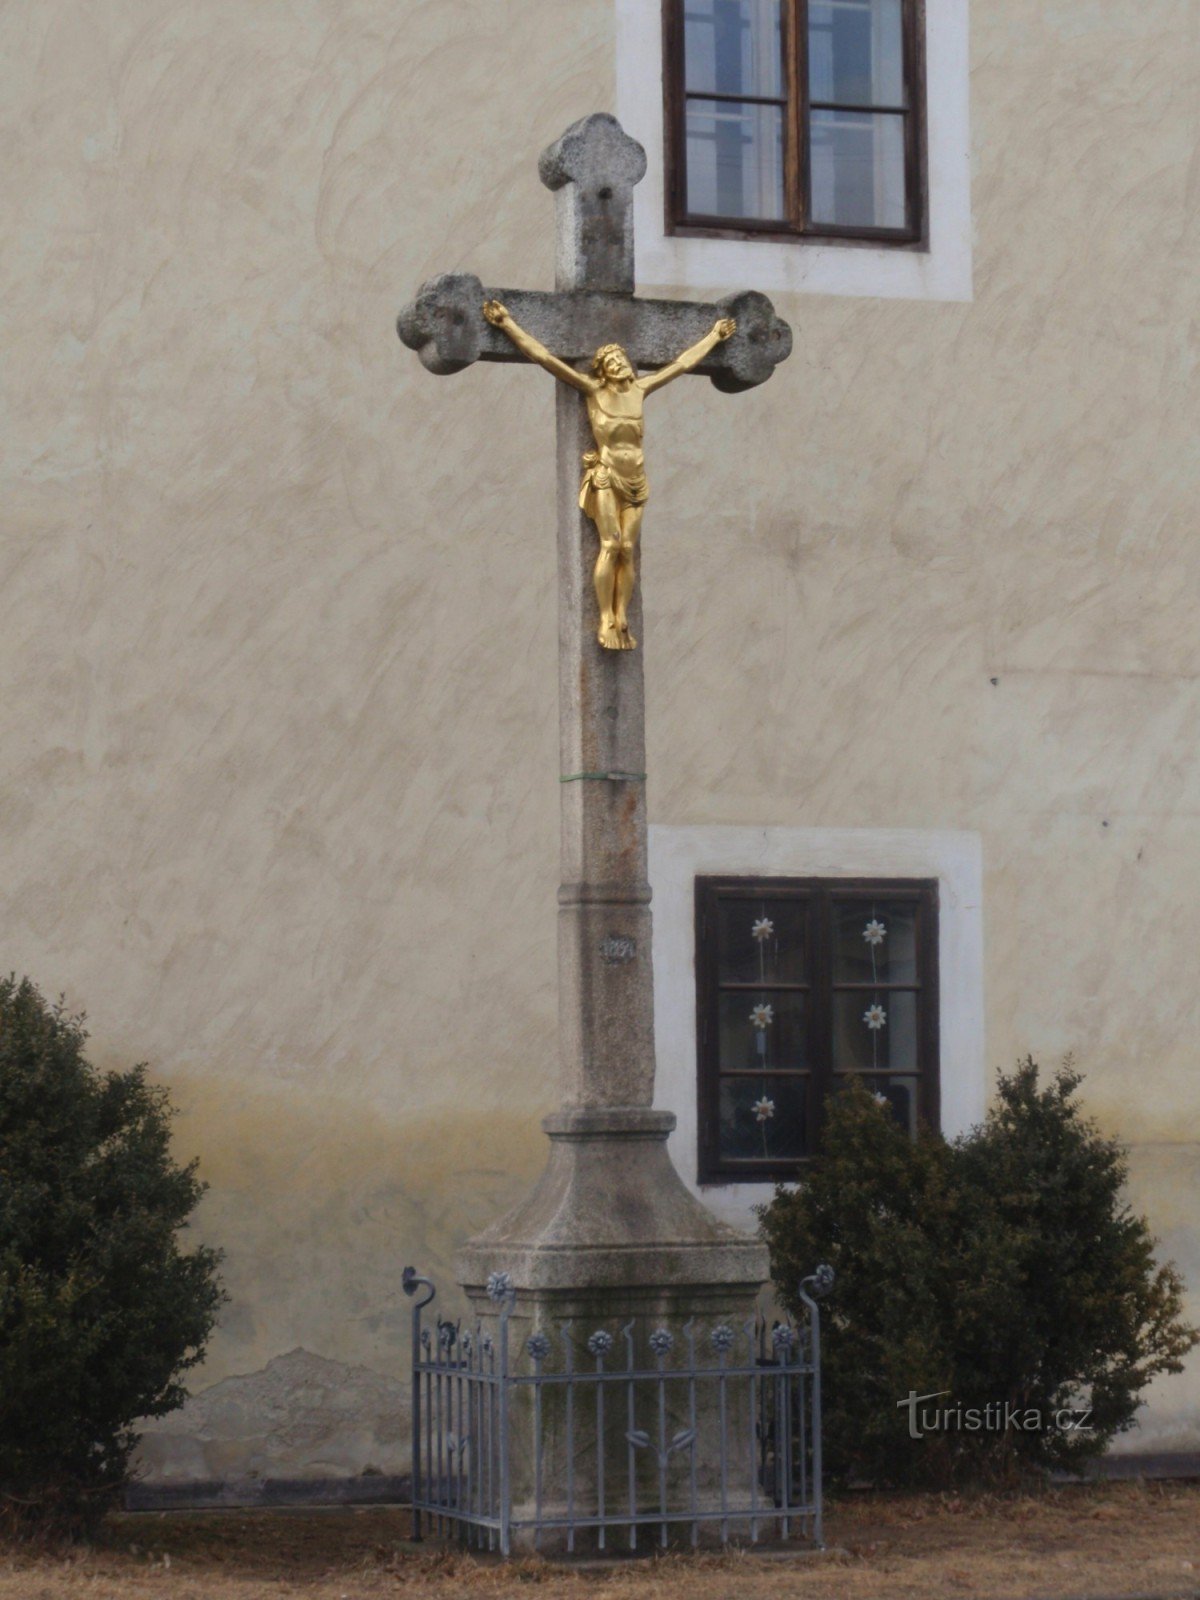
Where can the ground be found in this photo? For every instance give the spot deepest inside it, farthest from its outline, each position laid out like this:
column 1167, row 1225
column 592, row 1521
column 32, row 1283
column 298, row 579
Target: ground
column 1116, row 1540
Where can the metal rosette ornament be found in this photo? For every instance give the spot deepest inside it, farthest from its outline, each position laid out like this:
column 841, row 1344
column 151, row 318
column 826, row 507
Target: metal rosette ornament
column 538, row 1346
column 820, row 1282
column 721, row 1338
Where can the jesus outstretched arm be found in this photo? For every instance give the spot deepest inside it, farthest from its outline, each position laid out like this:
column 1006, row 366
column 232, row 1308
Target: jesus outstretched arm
column 724, row 329
column 499, row 317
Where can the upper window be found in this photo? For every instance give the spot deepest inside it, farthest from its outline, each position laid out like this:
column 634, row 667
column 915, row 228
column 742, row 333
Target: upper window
column 798, row 118
column 802, row 984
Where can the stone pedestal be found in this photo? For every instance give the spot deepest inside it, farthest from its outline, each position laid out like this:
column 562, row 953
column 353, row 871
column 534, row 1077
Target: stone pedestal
column 610, row 1236
column 610, row 1220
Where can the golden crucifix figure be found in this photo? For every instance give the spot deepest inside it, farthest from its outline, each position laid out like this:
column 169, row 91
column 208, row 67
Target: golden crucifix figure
column 614, row 490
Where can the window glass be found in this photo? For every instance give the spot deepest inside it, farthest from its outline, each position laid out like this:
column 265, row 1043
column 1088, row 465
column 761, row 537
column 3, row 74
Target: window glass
column 762, row 1029
column 734, row 47
column 758, row 943
column 875, row 941
column 764, row 1121
column 858, row 178
column 735, row 160
column 875, row 1032
column 856, row 52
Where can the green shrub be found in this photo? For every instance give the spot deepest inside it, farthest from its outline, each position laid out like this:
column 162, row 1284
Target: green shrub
column 1002, row 1270
column 101, row 1311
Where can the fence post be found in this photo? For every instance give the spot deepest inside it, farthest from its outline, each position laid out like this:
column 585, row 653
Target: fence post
column 410, row 1282
column 500, row 1291
column 822, row 1283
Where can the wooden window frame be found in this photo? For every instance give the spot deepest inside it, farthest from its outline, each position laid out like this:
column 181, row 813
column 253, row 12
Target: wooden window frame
column 797, row 165
column 819, row 893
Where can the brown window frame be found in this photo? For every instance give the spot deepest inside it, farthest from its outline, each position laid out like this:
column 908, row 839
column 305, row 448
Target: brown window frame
column 797, row 169
column 819, row 894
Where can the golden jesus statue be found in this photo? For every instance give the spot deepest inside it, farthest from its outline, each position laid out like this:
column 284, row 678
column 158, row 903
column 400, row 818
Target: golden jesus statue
column 614, row 490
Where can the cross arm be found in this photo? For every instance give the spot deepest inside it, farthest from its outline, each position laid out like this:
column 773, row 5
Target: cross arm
column 446, row 326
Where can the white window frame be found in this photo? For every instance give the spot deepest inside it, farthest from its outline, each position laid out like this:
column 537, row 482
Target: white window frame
column 808, row 266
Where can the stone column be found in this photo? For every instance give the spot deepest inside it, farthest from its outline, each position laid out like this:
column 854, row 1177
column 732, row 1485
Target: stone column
column 610, row 1227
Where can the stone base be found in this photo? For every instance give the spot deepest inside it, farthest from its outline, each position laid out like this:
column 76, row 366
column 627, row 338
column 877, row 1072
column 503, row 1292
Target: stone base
column 610, row 1236
column 581, row 1436
column 610, row 1216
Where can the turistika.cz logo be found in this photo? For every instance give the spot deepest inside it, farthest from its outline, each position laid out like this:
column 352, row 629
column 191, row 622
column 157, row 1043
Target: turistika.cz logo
column 998, row 1416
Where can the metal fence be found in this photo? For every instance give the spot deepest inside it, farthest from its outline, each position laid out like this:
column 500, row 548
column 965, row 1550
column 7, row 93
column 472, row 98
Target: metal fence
column 649, row 1433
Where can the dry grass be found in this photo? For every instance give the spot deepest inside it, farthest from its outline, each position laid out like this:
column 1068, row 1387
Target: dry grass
column 1118, row 1540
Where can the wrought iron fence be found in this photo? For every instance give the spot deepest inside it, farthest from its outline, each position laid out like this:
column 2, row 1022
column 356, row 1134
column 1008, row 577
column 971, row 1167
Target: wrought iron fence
column 656, row 1432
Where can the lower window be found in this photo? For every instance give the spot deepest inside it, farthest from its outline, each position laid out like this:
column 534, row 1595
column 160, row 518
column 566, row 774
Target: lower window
column 803, row 983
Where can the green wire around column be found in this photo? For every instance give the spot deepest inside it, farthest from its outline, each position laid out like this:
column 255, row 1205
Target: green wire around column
column 604, row 777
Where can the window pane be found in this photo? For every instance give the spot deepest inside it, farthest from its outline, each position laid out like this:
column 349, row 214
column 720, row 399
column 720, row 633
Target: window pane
column 874, row 941
column 762, row 941
column 902, row 1095
column 856, row 52
column 757, row 1030
column 763, row 1120
column 858, row 169
column 734, row 160
column 875, row 1033
column 734, row 47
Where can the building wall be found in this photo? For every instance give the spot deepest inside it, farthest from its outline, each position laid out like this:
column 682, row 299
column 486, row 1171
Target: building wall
column 279, row 637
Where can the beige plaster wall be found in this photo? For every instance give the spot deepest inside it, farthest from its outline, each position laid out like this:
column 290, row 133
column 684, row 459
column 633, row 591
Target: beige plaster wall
column 278, row 643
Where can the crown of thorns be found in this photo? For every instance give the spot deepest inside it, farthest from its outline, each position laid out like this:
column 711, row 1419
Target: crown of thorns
column 608, row 350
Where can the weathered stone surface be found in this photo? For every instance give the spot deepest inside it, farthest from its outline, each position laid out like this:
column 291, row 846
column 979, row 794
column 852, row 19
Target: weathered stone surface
column 445, row 325
column 606, row 1035
column 596, row 153
column 761, row 342
column 679, row 1301
column 301, row 1416
column 610, row 1215
column 593, row 167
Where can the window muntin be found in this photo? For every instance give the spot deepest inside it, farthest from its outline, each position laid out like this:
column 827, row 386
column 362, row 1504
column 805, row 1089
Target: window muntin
column 801, row 983
column 795, row 117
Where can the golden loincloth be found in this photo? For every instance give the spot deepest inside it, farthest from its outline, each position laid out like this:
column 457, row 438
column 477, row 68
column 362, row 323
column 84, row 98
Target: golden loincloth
column 597, row 474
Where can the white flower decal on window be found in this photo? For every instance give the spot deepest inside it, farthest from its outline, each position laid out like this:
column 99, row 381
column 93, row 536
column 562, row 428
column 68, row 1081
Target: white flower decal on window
column 875, row 1018
column 874, row 932
column 762, row 1016
column 764, row 1109
column 762, row 929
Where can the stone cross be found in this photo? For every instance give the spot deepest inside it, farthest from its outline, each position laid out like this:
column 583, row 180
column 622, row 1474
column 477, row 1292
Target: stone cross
column 606, row 1026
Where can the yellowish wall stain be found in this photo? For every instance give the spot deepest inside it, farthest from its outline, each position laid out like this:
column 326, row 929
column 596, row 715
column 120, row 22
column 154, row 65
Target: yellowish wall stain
column 320, row 1202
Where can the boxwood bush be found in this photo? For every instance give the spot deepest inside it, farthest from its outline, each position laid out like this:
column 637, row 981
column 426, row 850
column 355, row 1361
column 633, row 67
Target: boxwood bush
column 1002, row 1273
column 101, row 1309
